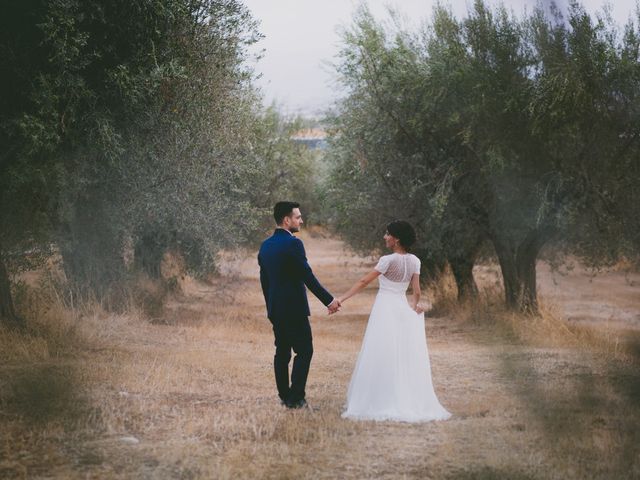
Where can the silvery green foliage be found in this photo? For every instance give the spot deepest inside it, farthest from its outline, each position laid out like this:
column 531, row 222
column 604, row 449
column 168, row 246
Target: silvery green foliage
column 520, row 132
column 132, row 123
column 392, row 158
column 288, row 169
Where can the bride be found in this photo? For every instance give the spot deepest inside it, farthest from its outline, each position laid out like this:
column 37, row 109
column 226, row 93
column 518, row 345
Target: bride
column 392, row 376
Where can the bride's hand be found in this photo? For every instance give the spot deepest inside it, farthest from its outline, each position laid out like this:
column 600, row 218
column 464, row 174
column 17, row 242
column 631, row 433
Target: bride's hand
column 418, row 309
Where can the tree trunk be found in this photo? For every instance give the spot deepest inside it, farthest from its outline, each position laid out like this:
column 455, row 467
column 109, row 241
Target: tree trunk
column 7, row 310
column 518, row 266
column 462, row 268
column 506, row 258
column 526, row 269
column 93, row 260
column 148, row 253
column 462, row 261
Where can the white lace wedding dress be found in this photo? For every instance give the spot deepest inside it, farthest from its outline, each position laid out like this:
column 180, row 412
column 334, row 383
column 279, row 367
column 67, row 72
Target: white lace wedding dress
column 392, row 376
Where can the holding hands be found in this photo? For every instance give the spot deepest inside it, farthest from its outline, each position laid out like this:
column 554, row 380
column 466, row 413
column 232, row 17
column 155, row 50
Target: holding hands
column 334, row 306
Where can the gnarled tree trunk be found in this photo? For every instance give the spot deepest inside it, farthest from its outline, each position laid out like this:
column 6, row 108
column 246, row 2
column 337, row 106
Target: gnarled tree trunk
column 148, row 252
column 7, row 310
column 462, row 268
column 518, row 266
column 462, row 264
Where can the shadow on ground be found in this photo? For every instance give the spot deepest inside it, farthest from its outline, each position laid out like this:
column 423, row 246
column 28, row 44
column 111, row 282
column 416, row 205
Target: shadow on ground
column 489, row 473
column 41, row 393
column 586, row 409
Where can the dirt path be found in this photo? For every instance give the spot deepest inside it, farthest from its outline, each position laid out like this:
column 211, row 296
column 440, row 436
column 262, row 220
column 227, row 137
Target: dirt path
column 194, row 398
column 510, row 402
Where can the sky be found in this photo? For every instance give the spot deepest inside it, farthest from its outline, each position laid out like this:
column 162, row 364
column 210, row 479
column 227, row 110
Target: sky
column 302, row 40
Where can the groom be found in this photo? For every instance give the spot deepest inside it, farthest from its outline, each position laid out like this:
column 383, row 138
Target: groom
column 284, row 272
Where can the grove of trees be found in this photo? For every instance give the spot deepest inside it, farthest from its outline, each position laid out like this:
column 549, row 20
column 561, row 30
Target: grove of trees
column 491, row 133
column 129, row 129
column 132, row 125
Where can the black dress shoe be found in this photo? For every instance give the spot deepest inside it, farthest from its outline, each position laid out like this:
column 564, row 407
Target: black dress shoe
column 302, row 403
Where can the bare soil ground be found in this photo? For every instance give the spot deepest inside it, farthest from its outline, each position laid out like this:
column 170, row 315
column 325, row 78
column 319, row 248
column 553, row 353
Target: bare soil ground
column 192, row 395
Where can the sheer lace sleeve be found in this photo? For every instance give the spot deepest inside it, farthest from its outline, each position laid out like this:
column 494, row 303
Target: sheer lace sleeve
column 397, row 268
column 383, row 264
column 416, row 262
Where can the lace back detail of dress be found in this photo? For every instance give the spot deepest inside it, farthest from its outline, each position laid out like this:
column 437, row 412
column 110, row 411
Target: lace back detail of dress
column 401, row 268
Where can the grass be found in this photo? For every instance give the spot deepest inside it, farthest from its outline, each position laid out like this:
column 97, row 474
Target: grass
column 84, row 393
column 546, row 329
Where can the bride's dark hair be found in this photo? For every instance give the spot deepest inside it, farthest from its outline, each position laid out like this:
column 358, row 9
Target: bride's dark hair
column 403, row 231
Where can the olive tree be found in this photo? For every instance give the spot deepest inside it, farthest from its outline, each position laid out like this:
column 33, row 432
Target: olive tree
column 519, row 132
column 121, row 121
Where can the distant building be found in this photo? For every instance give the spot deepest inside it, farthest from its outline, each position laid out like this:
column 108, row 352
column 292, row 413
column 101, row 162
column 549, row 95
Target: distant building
column 314, row 138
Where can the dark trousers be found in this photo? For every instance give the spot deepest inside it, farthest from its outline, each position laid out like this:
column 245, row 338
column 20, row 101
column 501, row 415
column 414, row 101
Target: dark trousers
column 292, row 334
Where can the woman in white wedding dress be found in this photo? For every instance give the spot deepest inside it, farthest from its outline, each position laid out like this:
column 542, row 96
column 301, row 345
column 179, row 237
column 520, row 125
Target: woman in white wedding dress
column 392, row 376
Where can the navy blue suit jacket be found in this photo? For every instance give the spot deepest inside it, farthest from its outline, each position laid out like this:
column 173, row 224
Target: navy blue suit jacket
column 284, row 272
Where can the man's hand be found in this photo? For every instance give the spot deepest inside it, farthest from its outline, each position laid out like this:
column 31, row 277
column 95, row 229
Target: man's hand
column 334, row 306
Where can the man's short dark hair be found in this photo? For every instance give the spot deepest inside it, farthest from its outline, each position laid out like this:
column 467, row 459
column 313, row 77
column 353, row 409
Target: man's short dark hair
column 283, row 209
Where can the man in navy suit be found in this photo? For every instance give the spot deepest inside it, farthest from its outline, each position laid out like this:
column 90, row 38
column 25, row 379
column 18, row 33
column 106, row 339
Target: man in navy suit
column 284, row 272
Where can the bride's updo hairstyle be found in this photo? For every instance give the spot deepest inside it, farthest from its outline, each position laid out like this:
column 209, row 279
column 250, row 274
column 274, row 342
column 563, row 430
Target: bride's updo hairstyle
column 404, row 232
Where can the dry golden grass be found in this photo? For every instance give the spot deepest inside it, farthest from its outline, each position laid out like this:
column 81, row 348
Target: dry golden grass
column 86, row 394
column 546, row 329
